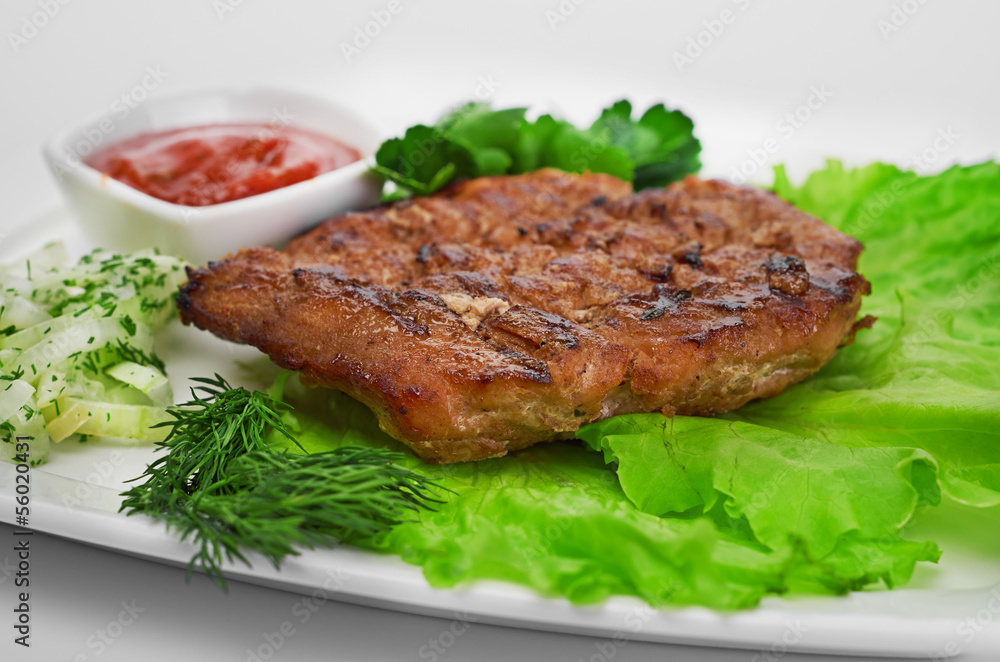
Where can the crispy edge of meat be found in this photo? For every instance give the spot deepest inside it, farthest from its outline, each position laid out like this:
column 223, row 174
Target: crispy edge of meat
column 556, row 372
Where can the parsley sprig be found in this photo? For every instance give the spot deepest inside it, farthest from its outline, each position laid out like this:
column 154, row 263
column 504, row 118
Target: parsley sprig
column 474, row 140
column 221, row 485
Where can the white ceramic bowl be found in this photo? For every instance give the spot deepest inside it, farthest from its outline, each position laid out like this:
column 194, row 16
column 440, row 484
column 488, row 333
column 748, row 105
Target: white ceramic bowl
column 120, row 217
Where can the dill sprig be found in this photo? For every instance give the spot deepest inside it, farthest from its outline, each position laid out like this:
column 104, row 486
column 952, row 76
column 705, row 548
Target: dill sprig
column 222, row 486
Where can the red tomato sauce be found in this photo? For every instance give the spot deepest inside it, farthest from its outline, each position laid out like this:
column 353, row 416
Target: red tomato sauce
column 206, row 165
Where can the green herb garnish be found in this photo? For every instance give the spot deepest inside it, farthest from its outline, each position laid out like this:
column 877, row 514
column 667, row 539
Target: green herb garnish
column 474, row 141
column 223, row 486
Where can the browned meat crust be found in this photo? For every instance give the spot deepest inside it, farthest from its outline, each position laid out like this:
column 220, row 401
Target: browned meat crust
column 512, row 310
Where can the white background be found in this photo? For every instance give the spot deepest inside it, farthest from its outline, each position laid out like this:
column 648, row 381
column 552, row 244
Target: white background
column 892, row 91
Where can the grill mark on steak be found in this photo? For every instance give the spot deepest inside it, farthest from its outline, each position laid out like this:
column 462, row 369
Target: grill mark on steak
column 552, row 322
column 667, row 298
column 387, row 301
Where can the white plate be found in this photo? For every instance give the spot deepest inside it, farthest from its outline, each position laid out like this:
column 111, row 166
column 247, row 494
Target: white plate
column 949, row 608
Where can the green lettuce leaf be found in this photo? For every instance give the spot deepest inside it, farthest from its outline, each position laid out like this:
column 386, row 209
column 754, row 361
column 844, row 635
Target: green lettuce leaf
column 554, row 517
column 789, row 489
column 926, row 376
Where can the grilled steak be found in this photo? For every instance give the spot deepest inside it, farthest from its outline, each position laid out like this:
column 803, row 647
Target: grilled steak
column 511, row 310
